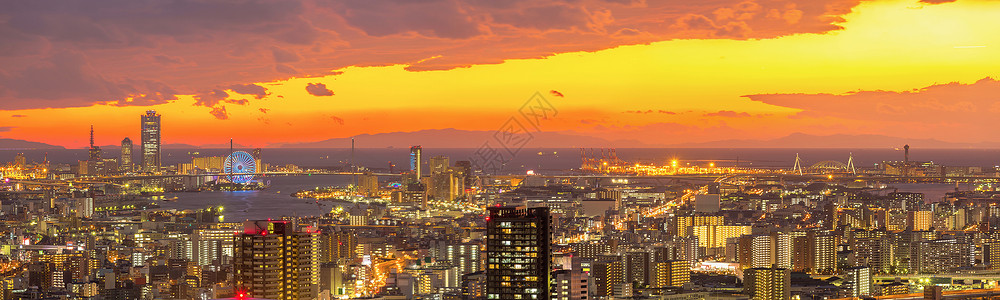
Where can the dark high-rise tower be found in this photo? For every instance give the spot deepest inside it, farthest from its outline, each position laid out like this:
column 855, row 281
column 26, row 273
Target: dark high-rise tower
column 125, row 162
column 150, row 132
column 517, row 253
column 906, row 161
column 415, row 159
column 94, row 151
column 906, row 154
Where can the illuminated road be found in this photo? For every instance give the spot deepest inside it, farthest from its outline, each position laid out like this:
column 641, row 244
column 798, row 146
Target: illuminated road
column 666, row 207
column 966, row 294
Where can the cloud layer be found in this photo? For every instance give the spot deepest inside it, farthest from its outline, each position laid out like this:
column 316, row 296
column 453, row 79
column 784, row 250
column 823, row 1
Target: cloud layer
column 318, row 89
column 952, row 110
column 63, row 53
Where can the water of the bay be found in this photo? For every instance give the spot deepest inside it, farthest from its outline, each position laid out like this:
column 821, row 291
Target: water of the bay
column 277, row 201
column 273, row 202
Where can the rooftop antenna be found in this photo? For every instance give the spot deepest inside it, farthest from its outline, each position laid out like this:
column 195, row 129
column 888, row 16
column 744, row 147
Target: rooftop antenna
column 850, row 164
column 91, row 136
column 798, row 165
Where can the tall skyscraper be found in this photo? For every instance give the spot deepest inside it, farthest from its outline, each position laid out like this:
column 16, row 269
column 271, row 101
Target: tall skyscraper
column 517, row 253
column 767, row 283
column 274, row 260
column 439, row 164
column 125, row 163
column 150, row 132
column 258, row 162
column 415, row 158
column 464, row 168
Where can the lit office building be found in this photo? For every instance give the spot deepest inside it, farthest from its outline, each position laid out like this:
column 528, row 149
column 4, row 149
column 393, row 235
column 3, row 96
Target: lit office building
column 919, row 220
column 941, row 256
column 637, row 267
column 785, row 247
column 273, row 260
column 125, row 161
column 757, row 251
column 608, row 272
column 591, row 249
column 816, row 252
column 150, row 132
column 517, row 253
column 212, row 247
column 465, row 256
column 991, row 254
column 715, row 236
column 767, row 283
column 570, row 284
column 439, row 164
column 859, row 280
column 415, row 159
column 682, row 225
column 873, row 249
column 368, row 184
column 671, row 273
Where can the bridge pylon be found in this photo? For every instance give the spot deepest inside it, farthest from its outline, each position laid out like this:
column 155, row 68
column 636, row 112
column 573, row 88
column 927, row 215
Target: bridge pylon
column 798, row 165
column 850, row 164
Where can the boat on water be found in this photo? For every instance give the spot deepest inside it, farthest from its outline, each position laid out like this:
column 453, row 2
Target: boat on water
column 171, row 199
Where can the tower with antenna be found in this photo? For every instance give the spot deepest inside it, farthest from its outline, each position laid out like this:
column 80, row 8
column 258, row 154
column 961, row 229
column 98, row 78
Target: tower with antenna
column 94, row 151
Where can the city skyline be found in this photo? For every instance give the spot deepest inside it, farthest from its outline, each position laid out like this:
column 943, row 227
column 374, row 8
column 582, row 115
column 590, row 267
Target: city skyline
column 663, row 74
column 484, row 149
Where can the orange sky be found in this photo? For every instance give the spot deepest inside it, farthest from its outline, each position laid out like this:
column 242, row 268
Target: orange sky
column 696, row 89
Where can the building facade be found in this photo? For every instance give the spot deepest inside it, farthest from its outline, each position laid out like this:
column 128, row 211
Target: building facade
column 150, row 132
column 517, row 253
column 273, row 260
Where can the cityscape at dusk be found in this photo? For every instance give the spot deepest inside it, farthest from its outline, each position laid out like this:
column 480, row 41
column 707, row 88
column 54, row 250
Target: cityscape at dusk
column 469, row 149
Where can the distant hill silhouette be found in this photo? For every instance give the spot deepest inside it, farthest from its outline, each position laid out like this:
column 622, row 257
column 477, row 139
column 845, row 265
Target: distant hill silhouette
column 455, row 138
column 802, row 140
column 22, row 144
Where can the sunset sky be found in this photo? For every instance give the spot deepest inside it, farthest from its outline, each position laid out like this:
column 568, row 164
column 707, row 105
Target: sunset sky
column 663, row 72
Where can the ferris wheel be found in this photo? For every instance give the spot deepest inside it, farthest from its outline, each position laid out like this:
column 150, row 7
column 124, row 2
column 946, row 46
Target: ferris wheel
column 240, row 167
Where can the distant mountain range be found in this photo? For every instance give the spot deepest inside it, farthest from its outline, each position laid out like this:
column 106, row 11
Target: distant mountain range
column 455, row 138
column 12, row 144
column 180, row 146
column 802, row 140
